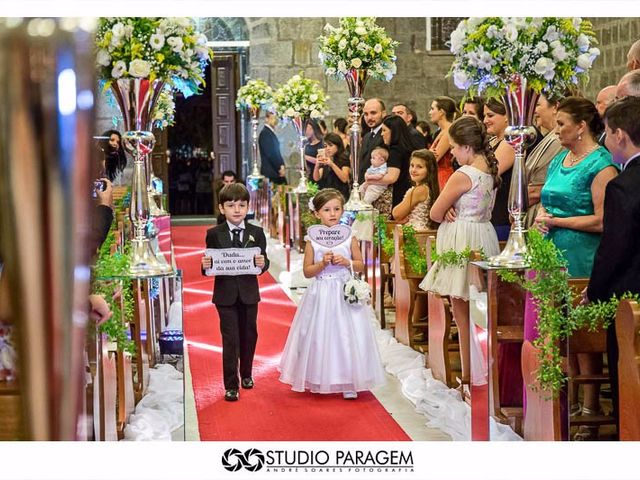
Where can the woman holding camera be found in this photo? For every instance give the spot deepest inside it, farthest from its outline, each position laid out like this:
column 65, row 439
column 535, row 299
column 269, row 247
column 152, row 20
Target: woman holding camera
column 332, row 168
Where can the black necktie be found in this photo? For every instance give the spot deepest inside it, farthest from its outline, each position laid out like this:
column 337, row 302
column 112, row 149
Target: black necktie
column 236, row 238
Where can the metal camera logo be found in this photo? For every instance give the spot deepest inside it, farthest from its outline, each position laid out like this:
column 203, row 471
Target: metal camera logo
column 252, row 459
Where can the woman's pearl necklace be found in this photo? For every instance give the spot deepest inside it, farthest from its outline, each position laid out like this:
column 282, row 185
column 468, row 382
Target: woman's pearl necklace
column 577, row 158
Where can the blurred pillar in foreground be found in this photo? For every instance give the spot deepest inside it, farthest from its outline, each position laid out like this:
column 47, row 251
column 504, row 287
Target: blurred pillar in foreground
column 46, row 123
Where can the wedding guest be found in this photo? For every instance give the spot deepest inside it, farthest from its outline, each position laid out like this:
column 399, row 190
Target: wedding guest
column 633, row 56
column 605, row 97
column 443, row 111
column 115, row 160
column 323, row 126
column 341, row 127
column 314, row 143
column 332, row 168
column 629, row 85
column 425, row 129
column 373, row 113
column 470, row 192
column 401, row 144
column 474, row 107
column 616, row 267
column 538, row 159
column 571, row 217
column 404, row 112
column 271, row 161
column 496, row 121
column 416, row 205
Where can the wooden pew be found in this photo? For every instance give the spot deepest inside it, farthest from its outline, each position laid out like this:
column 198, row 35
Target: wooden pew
column 384, row 276
column 542, row 421
column 410, row 300
column 628, row 335
column 440, row 319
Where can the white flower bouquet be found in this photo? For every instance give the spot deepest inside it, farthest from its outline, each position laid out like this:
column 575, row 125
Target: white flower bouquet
column 169, row 49
column 255, row 94
column 163, row 115
column 358, row 43
column 300, row 98
column 357, row 291
column 554, row 54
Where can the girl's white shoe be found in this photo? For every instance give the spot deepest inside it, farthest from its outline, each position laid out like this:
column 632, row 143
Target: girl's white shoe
column 350, row 395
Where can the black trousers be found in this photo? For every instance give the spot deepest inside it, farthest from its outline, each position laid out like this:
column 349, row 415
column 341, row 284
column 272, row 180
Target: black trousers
column 238, row 326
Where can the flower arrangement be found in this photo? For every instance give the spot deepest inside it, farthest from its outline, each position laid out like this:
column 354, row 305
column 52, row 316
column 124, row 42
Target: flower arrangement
column 358, row 43
column 357, row 292
column 163, row 115
column 554, row 54
column 255, row 94
column 300, row 98
column 169, row 49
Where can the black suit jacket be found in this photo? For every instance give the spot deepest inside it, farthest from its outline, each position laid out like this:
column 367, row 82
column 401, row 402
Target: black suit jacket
column 616, row 268
column 369, row 142
column 228, row 289
column 270, row 156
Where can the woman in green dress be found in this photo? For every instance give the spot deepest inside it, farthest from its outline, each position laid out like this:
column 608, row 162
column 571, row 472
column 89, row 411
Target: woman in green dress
column 571, row 216
column 573, row 194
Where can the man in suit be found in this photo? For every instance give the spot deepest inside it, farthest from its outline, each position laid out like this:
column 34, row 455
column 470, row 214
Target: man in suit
column 374, row 111
column 272, row 163
column 616, row 268
column 236, row 297
column 404, row 112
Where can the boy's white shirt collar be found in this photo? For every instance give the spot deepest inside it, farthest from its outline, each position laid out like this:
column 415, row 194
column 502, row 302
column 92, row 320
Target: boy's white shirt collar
column 232, row 226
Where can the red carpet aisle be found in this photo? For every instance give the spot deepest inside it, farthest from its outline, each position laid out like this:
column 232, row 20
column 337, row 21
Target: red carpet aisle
column 270, row 411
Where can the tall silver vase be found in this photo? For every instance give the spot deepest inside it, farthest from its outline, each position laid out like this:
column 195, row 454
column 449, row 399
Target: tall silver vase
column 356, row 81
column 300, row 124
column 136, row 98
column 255, row 116
column 520, row 103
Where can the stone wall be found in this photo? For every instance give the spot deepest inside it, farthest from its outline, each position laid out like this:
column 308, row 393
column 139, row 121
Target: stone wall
column 615, row 36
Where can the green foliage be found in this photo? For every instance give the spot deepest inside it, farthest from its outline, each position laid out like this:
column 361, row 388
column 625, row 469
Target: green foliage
column 452, row 258
column 308, row 218
column 110, row 281
column 380, row 238
column 414, row 255
column 312, row 188
column 553, row 298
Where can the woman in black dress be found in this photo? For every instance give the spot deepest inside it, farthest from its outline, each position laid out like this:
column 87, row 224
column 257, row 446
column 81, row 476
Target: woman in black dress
column 314, row 143
column 332, row 168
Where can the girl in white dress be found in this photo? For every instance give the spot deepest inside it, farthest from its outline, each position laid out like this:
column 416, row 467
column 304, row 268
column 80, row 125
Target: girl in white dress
column 463, row 209
column 331, row 346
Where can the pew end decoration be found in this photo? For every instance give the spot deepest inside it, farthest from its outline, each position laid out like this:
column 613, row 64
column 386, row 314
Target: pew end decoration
column 137, row 58
column 299, row 100
column 558, row 317
column 517, row 59
column 356, row 50
column 253, row 97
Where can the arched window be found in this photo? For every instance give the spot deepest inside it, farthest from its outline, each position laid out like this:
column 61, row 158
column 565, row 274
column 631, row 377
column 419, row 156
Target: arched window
column 223, row 29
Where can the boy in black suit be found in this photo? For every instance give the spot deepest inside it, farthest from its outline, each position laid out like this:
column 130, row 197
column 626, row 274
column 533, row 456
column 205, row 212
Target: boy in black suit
column 236, row 297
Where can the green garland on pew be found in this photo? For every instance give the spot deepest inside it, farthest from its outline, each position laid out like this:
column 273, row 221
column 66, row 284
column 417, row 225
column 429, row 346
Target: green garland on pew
column 453, row 258
column 113, row 266
column 557, row 317
column 381, row 237
column 413, row 254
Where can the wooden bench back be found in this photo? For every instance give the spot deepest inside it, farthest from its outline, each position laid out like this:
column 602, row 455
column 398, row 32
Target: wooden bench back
column 628, row 335
column 389, row 227
column 422, row 238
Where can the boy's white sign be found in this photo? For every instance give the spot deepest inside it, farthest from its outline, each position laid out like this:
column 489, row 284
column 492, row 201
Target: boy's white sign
column 233, row 261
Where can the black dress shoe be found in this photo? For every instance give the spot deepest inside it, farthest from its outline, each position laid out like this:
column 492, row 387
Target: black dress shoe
column 231, row 395
column 247, row 382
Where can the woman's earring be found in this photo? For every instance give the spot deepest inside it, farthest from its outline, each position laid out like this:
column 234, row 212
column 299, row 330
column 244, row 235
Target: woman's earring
column 579, row 137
